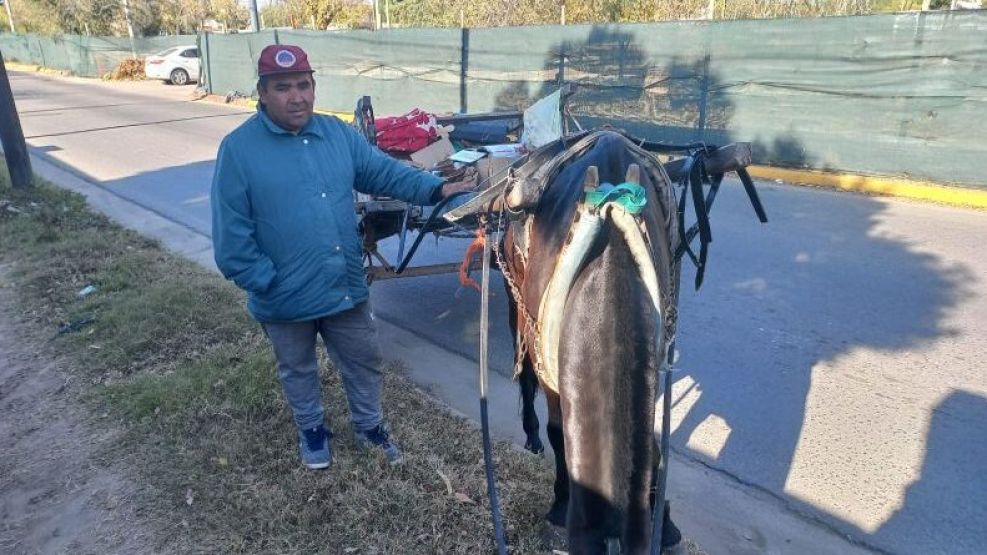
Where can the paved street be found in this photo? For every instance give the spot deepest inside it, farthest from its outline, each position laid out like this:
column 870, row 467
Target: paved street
column 833, row 359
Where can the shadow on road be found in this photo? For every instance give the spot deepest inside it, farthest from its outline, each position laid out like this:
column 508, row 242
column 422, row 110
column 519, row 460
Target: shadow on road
column 786, row 303
column 782, row 304
column 952, row 478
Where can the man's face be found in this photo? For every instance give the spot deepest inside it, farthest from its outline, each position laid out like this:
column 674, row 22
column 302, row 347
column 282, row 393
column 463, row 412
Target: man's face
column 289, row 99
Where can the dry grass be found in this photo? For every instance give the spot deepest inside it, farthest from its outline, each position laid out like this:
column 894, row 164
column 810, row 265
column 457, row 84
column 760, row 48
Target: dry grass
column 131, row 69
column 173, row 359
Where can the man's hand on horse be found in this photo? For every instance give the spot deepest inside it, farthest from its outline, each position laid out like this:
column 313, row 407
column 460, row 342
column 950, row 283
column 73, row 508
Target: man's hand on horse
column 467, row 182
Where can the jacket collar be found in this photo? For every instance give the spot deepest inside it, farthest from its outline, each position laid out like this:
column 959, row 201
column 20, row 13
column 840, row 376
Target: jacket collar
column 311, row 128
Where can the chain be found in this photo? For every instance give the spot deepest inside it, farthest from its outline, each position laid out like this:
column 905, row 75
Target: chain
column 530, row 324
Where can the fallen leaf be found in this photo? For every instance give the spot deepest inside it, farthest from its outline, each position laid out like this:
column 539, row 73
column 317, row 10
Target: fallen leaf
column 189, row 496
column 445, row 479
column 463, row 498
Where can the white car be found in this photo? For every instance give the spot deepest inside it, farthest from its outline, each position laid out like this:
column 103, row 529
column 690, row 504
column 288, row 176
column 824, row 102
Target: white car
column 178, row 65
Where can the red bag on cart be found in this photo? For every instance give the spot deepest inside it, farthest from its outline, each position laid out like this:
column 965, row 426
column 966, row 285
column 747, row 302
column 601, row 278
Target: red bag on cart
column 406, row 134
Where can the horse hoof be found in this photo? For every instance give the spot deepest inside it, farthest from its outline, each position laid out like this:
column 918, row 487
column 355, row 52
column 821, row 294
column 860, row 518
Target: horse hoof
column 556, row 515
column 671, row 535
column 535, row 446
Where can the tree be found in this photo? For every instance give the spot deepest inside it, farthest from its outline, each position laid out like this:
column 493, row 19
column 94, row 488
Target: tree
column 284, row 13
column 233, row 15
column 182, row 17
column 320, row 14
column 105, row 17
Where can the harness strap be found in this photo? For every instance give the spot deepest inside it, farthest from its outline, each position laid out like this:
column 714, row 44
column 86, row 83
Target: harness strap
column 695, row 170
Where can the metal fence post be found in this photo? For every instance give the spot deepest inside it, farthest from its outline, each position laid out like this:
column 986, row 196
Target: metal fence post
column 208, row 58
column 561, row 75
column 703, row 100
column 464, row 56
column 277, row 38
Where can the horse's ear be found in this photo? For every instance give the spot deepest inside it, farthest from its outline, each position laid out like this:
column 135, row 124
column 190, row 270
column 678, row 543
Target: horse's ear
column 592, row 179
column 633, row 174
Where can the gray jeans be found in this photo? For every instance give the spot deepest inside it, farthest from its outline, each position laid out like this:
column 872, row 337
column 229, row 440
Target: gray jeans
column 350, row 338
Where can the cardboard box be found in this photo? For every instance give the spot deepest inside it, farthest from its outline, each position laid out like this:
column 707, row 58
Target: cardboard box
column 434, row 153
column 492, row 167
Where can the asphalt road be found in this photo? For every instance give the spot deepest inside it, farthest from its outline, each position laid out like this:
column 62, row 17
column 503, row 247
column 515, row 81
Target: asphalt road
column 834, row 357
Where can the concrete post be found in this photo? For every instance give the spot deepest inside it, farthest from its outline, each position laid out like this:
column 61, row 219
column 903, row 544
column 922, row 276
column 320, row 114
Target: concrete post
column 12, row 136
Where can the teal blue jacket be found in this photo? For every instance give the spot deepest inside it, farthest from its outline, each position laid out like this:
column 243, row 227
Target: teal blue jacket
column 283, row 221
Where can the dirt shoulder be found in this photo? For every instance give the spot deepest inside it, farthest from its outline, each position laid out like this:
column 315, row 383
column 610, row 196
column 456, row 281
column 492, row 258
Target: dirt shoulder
column 56, row 493
column 160, row 370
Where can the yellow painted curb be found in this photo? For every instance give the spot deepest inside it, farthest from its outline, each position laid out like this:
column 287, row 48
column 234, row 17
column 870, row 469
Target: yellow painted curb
column 20, row 67
column 887, row 186
column 17, row 66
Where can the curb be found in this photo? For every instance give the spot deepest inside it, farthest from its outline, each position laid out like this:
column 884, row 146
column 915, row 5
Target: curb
column 17, row 66
column 883, row 186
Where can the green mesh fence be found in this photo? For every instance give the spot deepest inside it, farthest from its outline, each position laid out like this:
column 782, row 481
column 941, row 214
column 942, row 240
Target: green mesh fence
column 401, row 69
column 229, row 62
column 902, row 94
column 897, row 94
column 83, row 56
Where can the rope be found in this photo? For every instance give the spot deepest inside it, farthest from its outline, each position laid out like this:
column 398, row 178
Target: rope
column 478, row 245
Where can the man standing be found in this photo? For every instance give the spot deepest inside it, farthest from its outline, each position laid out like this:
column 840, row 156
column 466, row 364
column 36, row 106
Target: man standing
column 285, row 230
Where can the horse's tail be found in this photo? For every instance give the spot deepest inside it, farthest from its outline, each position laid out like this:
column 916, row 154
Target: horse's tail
column 607, row 378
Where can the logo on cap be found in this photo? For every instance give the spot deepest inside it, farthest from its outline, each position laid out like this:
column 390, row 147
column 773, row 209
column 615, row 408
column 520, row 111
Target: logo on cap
column 284, row 58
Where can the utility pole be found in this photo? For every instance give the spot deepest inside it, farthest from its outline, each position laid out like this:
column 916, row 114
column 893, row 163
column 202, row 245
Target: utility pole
column 10, row 16
column 12, row 136
column 130, row 27
column 254, row 18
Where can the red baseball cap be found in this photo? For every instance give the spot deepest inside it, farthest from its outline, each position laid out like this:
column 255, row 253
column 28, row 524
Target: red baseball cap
column 282, row 58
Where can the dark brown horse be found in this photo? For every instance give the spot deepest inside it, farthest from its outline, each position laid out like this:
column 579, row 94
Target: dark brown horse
column 603, row 336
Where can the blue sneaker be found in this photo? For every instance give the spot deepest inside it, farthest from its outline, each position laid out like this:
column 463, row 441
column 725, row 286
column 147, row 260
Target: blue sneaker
column 314, row 448
column 379, row 438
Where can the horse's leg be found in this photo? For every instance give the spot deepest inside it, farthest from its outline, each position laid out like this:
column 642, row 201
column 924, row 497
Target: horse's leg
column 560, row 504
column 671, row 535
column 529, row 386
column 529, row 418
